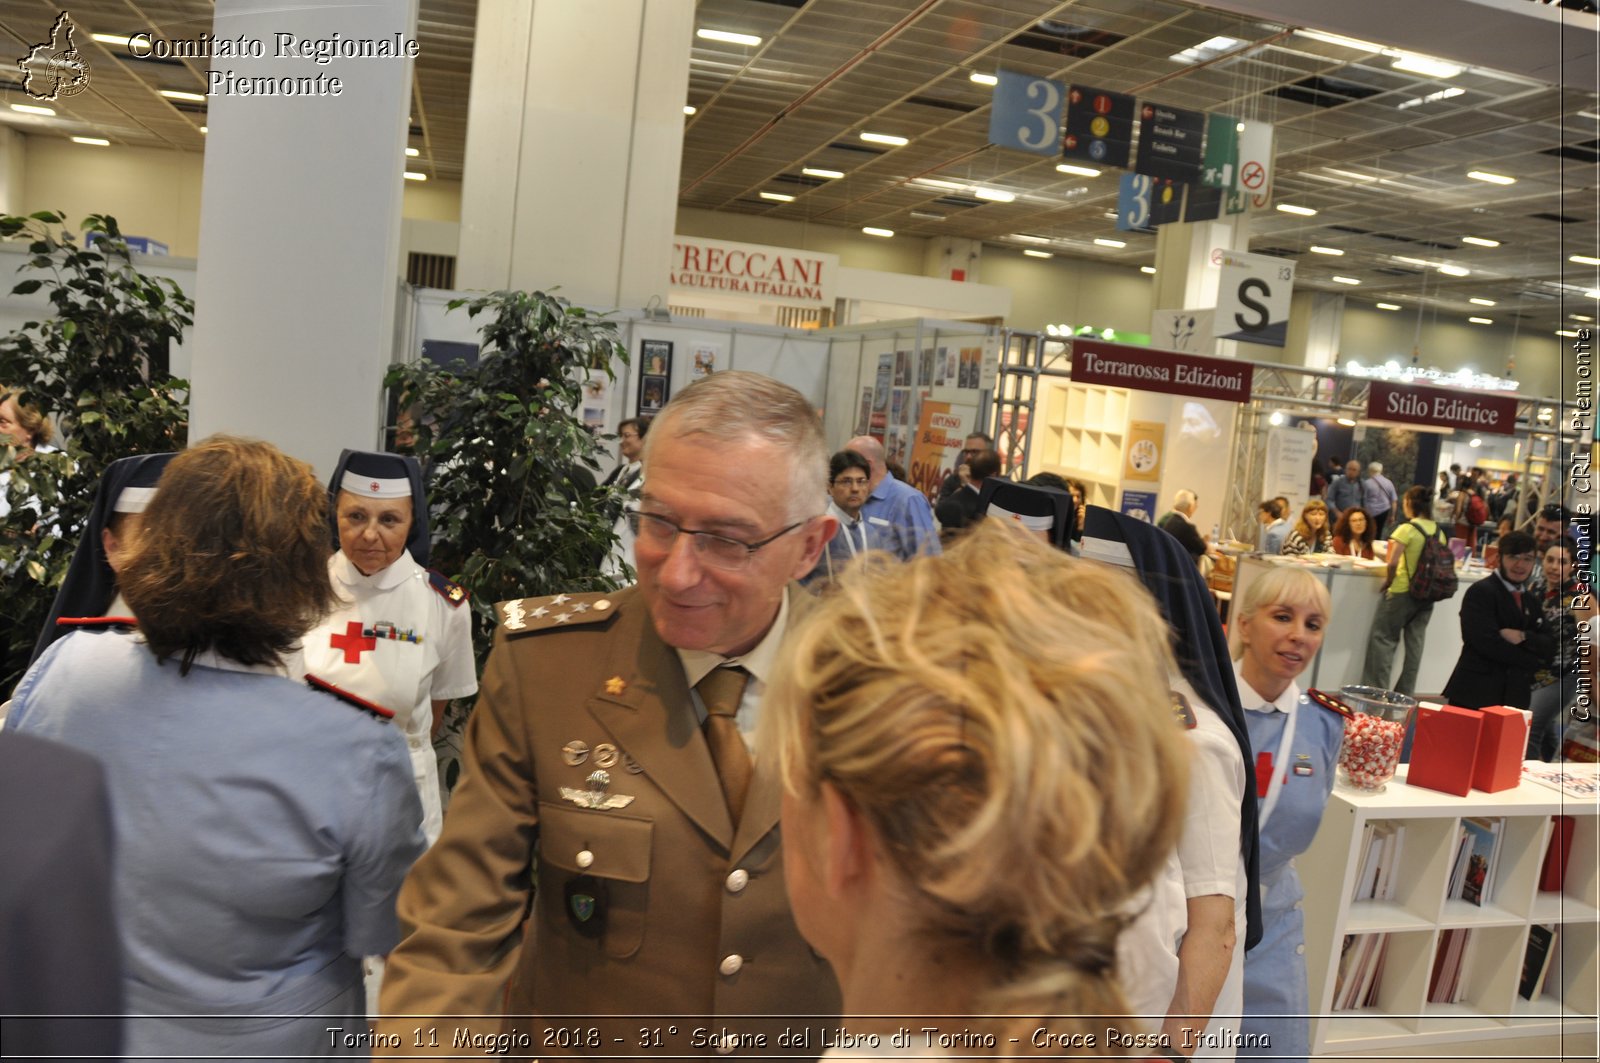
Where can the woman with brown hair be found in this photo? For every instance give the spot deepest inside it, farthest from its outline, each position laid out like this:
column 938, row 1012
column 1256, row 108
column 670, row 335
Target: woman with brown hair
column 1310, row 533
column 941, row 728
column 263, row 829
column 1353, row 535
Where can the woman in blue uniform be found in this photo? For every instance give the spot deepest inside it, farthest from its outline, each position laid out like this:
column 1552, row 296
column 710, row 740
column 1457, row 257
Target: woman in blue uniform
column 400, row 640
column 1282, row 617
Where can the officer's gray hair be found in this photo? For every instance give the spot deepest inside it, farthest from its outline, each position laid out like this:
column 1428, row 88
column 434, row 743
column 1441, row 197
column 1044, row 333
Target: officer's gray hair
column 736, row 406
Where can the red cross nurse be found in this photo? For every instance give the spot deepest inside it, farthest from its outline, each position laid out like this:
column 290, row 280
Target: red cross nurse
column 400, row 641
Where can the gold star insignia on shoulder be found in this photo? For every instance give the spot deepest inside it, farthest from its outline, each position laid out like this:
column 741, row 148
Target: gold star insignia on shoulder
column 522, row 616
column 1182, row 712
column 615, row 685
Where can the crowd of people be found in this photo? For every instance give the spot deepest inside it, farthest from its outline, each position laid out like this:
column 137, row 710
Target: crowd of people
column 998, row 764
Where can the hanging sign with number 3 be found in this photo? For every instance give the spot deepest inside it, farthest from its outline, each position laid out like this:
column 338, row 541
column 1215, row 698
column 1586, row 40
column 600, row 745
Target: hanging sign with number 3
column 1027, row 113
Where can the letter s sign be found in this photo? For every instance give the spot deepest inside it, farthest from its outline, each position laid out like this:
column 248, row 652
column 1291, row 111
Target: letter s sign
column 1250, row 287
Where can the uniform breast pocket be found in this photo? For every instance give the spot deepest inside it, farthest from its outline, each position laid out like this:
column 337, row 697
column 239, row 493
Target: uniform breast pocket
column 595, row 866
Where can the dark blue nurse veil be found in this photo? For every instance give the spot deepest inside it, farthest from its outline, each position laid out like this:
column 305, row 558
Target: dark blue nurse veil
column 1170, row 575
column 90, row 586
column 375, row 465
column 1008, row 500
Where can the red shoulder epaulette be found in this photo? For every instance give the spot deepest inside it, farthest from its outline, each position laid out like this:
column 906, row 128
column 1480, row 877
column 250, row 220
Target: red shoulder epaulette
column 1331, row 703
column 448, row 589
column 96, row 621
column 348, row 698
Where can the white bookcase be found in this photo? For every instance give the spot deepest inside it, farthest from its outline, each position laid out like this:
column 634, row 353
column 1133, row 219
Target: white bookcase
column 1490, row 1007
column 1084, row 426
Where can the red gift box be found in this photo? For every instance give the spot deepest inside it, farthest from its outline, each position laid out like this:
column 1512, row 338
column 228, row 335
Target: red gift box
column 1445, row 749
column 1500, row 749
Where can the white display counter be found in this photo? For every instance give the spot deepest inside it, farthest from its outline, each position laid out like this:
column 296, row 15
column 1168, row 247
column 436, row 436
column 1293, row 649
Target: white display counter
column 1355, row 595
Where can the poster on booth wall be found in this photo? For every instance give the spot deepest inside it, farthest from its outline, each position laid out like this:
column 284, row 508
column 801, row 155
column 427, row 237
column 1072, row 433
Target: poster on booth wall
column 1140, row 505
column 596, row 399
column 864, row 418
column 705, row 361
column 1146, row 447
column 880, row 393
column 1290, row 452
column 936, row 450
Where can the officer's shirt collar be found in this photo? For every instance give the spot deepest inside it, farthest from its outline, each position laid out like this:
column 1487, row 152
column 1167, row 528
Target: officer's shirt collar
column 697, row 664
column 1253, row 701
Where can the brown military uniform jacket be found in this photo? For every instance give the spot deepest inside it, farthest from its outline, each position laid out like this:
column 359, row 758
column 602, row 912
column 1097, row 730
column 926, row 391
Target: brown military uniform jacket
column 653, row 907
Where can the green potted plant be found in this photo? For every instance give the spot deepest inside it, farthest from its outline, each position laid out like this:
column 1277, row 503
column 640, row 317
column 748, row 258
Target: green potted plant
column 99, row 367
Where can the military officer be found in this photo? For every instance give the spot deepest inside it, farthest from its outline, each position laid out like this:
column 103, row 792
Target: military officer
column 610, row 749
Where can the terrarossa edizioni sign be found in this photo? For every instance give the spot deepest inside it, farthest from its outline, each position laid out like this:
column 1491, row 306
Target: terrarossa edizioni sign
column 1146, row 369
column 1470, row 411
column 781, row 275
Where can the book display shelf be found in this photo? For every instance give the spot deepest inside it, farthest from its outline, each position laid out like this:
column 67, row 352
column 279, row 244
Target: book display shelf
column 1487, row 1001
column 1084, row 429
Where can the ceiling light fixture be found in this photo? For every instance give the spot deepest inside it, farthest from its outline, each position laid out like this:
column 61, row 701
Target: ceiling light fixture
column 1481, row 302
column 1475, row 442
column 1208, row 49
column 777, row 197
column 412, row 175
column 994, row 195
column 873, row 230
column 1290, row 208
column 98, row 142
column 1103, row 242
column 205, row 129
column 412, row 153
column 28, row 108
column 1481, row 320
column 1351, row 174
column 176, row 94
column 1077, row 171
column 1148, row 269
column 1334, row 38
column 1567, row 333
column 1031, row 253
column 1454, row 271
column 934, row 182
column 724, row 37
column 1315, row 250
column 1478, row 241
column 1432, row 97
column 983, row 79
column 1580, row 317
column 885, row 138
column 928, row 215
column 1029, row 238
column 1492, row 178
column 812, row 171
column 1424, row 65
column 1584, row 260
column 1345, row 280
column 1592, row 294
column 1348, row 422
column 1388, row 306
column 689, row 108
column 1411, row 261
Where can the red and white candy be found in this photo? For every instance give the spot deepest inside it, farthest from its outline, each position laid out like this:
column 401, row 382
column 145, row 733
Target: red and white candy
column 1371, row 750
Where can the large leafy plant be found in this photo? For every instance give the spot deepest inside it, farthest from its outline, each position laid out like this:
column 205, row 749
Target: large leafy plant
column 511, row 487
column 100, row 368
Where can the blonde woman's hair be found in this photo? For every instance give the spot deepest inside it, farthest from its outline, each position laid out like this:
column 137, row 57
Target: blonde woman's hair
column 1280, row 585
column 1001, row 716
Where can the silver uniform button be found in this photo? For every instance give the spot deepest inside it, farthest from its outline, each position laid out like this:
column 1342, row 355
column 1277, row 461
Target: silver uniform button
column 1300, row 950
column 585, row 858
column 731, row 964
column 738, row 880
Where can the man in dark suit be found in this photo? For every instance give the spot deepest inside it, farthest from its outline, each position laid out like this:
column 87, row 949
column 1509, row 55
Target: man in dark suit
column 975, row 444
column 609, row 749
column 59, row 951
column 1502, row 641
column 963, row 507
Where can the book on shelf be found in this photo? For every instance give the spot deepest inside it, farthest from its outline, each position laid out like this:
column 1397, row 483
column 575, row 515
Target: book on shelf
column 1554, row 871
column 1458, row 863
column 1577, row 780
column 1536, row 961
column 1444, row 986
column 1360, row 966
column 1381, row 845
column 1484, row 854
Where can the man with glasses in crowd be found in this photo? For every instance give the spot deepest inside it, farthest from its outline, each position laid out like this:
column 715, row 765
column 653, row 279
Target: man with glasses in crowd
column 975, row 444
column 899, row 514
column 610, row 750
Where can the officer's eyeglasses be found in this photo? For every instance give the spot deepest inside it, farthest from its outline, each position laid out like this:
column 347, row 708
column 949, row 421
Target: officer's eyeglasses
column 710, row 549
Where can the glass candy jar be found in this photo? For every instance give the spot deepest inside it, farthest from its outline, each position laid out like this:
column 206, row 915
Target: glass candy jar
column 1374, row 733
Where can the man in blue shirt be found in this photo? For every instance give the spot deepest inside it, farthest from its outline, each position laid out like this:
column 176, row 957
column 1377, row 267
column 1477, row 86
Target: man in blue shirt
column 1345, row 492
column 900, row 516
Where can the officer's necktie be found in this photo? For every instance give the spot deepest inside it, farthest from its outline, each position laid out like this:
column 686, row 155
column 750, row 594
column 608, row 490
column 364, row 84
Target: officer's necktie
column 721, row 690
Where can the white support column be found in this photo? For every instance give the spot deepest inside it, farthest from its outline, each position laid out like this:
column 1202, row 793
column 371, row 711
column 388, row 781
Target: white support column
column 574, row 145
column 299, row 233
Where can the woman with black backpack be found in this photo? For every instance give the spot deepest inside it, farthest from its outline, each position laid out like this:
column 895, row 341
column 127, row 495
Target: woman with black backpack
column 1402, row 612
